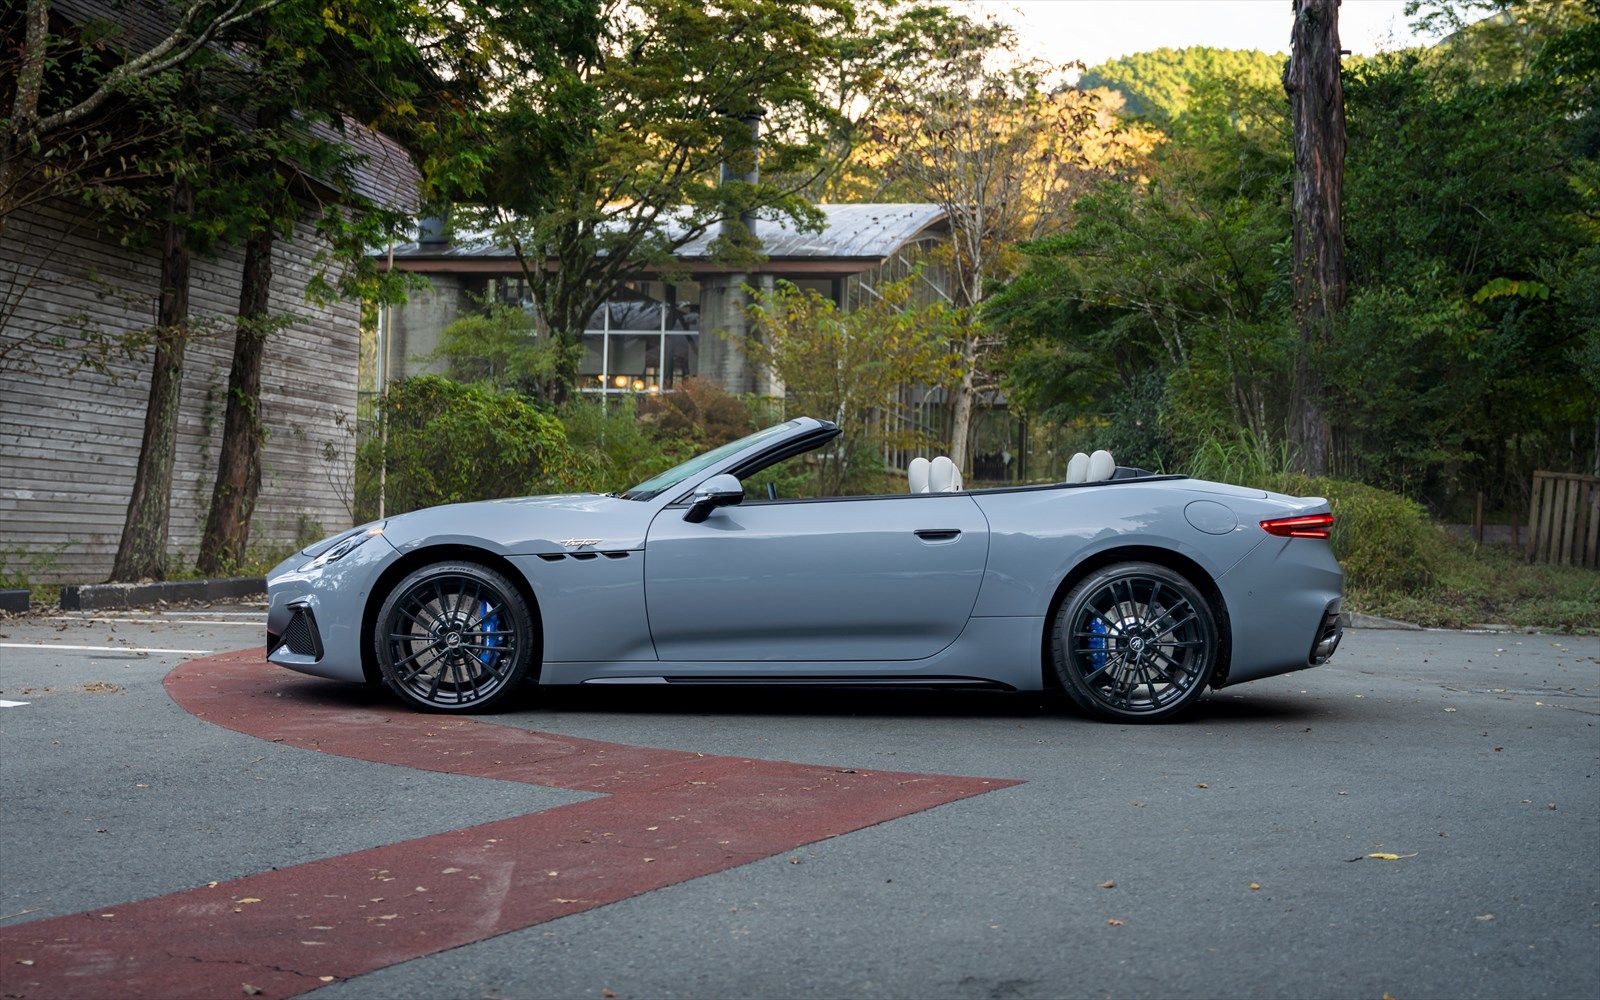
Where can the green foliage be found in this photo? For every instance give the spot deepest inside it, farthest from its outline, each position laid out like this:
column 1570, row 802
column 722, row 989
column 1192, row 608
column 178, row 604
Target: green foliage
column 1384, row 541
column 1158, row 84
column 844, row 366
column 622, row 449
column 648, row 120
column 449, row 443
column 499, row 348
column 1467, row 352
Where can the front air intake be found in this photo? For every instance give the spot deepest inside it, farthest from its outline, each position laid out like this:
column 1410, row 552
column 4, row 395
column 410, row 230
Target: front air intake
column 300, row 635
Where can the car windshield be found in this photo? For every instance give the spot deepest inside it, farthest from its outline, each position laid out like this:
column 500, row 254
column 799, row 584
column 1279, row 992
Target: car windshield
column 656, row 485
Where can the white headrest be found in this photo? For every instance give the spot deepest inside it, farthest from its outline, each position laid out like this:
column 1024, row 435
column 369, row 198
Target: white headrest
column 942, row 475
column 917, row 474
column 1101, row 467
column 1078, row 468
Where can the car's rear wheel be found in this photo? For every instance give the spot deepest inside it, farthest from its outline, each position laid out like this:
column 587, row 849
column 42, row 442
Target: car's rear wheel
column 455, row 637
column 1134, row 641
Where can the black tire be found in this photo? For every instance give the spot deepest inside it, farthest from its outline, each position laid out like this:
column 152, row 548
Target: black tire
column 455, row 637
column 1134, row 642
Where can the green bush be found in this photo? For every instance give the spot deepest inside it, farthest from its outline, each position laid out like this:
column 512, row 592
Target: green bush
column 1383, row 540
column 449, row 443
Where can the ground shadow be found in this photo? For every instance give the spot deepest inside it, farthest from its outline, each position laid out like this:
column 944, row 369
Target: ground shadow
column 756, row 700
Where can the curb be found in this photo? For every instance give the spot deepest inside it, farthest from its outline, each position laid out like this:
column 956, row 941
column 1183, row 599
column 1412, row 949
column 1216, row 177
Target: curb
column 14, row 600
column 100, row 596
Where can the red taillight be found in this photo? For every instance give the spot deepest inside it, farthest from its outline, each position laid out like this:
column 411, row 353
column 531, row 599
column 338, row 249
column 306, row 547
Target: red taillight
column 1304, row 526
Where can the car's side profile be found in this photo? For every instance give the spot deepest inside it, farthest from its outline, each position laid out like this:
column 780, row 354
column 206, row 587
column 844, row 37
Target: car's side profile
column 1130, row 592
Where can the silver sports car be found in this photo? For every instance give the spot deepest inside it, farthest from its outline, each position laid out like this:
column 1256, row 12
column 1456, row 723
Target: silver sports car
column 1130, row 592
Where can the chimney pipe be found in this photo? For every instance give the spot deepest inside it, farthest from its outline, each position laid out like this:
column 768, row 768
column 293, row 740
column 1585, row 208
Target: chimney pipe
column 752, row 121
column 431, row 232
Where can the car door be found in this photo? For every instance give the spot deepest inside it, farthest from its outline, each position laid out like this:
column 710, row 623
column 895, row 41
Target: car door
column 863, row 578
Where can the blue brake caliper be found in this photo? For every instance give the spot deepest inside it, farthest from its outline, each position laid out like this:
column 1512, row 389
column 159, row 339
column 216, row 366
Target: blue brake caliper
column 1098, row 643
column 489, row 624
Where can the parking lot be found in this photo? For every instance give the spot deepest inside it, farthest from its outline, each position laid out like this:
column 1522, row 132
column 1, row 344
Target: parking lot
column 1010, row 849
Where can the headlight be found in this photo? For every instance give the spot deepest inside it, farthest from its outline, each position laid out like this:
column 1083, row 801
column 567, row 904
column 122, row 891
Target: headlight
column 343, row 547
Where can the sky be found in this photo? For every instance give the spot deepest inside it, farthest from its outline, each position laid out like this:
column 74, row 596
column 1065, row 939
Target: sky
column 1097, row 30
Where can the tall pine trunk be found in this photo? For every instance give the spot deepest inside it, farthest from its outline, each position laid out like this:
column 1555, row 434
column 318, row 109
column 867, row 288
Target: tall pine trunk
column 1316, row 98
column 233, row 498
column 142, row 553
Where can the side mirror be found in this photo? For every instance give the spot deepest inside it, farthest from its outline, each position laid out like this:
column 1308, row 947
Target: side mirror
column 718, row 491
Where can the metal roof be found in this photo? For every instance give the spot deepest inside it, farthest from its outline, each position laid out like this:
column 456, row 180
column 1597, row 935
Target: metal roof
column 850, row 232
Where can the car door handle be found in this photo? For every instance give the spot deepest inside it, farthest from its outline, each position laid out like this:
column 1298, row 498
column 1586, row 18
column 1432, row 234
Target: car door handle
column 937, row 534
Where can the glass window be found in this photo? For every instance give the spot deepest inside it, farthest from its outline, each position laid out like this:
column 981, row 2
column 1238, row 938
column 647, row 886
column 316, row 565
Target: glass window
column 643, row 340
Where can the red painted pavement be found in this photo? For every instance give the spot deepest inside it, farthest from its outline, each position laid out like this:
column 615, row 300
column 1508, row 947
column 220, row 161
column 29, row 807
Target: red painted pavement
column 666, row 816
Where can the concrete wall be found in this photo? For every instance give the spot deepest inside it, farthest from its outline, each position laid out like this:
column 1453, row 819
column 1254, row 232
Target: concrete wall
column 69, row 438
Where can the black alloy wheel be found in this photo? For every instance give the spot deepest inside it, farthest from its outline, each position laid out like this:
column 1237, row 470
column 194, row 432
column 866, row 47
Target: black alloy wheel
column 1134, row 642
column 455, row 637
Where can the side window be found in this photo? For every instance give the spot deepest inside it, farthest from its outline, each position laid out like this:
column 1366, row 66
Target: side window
column 820, row 474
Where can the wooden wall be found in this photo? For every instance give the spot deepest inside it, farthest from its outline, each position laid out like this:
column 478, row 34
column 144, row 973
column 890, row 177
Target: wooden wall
column 69, row 440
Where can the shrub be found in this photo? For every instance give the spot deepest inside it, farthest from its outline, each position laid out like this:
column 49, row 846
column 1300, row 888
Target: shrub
column 624, row 450
column 449, row 443
column 1383, row 540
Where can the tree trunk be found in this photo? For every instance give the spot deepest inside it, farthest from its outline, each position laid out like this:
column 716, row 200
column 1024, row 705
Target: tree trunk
column 233, row 498
column 24, row 101
column 961, row 411
column 1316, row 98
column 142, row 553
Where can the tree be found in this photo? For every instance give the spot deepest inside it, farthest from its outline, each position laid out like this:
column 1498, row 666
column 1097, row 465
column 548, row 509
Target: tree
column 985, row 138
column 142, row 549
column 1316, row 100
column 65, row 132
column 414, row 74
column 670, row 96
column 1159, row 318
column 1159, row 84
column 847, row 365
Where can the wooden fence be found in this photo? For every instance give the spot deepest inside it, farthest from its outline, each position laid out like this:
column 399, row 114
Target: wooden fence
column 1564, row 519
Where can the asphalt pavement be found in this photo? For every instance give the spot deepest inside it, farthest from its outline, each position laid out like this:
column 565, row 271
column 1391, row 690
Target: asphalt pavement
column 1228, row 855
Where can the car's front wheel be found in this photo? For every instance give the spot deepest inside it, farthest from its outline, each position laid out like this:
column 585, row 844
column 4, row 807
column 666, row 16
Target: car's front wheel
column 1134, row 641
column 455, row 637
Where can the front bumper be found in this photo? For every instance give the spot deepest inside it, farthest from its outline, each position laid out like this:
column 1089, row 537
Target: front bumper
column 314, row 616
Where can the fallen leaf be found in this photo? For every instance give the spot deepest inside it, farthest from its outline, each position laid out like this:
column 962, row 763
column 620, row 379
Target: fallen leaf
column 251, row 991
column 212, row 885
column 1485, row 917
column 1255, row 886
column 1384, row 857
column 1108, row 884
column 558, row 899
column 1498, row 749
column 607, row 993
column 449, row 871
column 1114, row 922
column 248, row 899
column 1202, row 785
column 24, row 961
column 324, row 979
column 792, row 861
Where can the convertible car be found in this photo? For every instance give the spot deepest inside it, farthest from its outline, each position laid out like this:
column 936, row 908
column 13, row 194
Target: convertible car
column 1129, row 592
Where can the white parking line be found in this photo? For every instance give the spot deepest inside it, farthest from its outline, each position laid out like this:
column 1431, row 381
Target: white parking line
column 253, row 623
column 101, row 649
column 11, row 704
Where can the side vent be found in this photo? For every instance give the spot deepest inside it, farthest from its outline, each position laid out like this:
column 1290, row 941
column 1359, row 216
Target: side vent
column 581, row 556
column 552, row 556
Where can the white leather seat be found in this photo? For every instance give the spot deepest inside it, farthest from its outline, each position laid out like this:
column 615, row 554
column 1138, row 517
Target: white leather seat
column 1101, row 467
column 1078, row 468
column 943, row 476
column 917, row 474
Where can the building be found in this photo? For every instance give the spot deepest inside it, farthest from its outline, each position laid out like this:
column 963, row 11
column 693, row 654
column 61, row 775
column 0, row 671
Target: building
column 658, row 331
column 70, row 434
